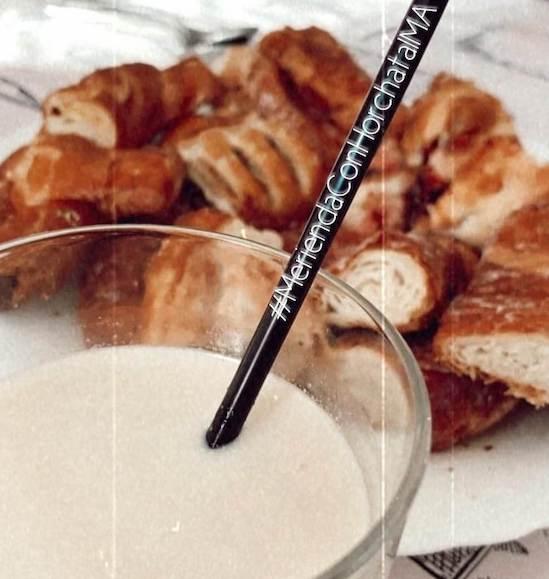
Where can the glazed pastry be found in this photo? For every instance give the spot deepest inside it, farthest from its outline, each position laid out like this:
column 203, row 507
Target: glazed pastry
column 449, row 124
column 410, row 278
column 323, row 75
column 22, row 278
column 500, row 179
column 522, row 244
column 127, row 105
column 498, row 328
column 461, row 407
column 112, row 285
column 118, row 182
column 282, row 82
column 237, row 285
column 111, row 290
column 265, row 166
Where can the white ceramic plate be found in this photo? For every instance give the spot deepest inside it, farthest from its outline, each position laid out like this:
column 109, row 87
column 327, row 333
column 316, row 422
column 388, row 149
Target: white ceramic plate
column 491, row 491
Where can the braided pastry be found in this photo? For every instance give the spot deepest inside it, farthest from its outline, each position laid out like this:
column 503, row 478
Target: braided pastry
column 325, row 82
column 264, row 172
column 268, row 166
column 283, row 80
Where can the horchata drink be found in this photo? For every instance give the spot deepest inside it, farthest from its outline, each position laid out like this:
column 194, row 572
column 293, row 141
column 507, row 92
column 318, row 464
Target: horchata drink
column 105, row 473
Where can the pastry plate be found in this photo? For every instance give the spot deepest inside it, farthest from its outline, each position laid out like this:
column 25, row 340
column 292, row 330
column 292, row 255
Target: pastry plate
column 495, row 488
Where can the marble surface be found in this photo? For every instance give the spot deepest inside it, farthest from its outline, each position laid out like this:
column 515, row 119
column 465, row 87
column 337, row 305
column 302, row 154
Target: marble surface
column 502, row 45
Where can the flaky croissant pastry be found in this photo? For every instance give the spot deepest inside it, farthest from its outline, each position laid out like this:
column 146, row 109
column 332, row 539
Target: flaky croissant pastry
column 125, row 106
column 118, row 183
column 499, row 328
column 461, row 407
column 411, row 278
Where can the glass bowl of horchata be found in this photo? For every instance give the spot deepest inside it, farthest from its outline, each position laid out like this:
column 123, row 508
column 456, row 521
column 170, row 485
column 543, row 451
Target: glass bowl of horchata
column 119, row 343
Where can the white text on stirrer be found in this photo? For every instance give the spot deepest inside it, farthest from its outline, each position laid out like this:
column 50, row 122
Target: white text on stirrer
column 340, row 182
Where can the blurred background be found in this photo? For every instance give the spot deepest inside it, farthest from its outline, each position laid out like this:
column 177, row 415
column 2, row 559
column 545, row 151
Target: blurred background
column 501, row 45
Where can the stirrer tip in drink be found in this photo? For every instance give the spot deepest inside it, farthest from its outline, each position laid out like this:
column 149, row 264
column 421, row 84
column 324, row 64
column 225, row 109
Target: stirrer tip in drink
column 221, row 434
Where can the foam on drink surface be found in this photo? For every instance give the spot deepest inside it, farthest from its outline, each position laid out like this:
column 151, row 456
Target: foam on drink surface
column 105, row 473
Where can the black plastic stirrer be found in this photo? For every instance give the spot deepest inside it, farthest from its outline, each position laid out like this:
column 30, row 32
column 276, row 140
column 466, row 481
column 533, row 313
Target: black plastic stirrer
column 355, row 157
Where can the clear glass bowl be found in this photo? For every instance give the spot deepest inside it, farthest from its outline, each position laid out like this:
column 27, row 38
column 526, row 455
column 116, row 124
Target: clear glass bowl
column 382, row 409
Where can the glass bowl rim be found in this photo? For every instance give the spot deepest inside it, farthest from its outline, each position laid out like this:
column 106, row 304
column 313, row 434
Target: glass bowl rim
column 395, row 511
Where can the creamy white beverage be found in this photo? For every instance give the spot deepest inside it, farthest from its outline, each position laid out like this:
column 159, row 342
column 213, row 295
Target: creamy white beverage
column 105, row 474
